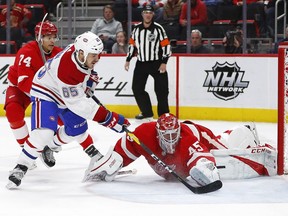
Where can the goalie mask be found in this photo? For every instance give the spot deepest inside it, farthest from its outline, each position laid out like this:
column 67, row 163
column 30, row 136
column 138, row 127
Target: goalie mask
column 168, row 130
column 88, row 42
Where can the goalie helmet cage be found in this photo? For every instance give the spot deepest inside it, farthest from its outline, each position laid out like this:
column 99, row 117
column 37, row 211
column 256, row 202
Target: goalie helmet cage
column 282, row 142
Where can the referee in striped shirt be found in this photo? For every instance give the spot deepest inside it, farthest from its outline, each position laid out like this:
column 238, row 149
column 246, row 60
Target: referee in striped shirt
column 151, row 45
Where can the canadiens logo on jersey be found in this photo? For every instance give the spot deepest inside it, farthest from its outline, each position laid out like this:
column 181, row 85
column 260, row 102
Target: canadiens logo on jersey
column 225, row 81
column 151, row 37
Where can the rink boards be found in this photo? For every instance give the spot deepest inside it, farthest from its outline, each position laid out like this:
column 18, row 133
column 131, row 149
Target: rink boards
column 208, row 87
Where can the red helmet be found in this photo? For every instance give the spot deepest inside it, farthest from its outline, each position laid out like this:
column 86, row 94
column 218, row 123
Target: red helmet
column 168, row 129
column 47, row 28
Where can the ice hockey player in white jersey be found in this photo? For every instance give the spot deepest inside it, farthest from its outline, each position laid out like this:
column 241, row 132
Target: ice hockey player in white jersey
column 59, row 91
column 192, row 150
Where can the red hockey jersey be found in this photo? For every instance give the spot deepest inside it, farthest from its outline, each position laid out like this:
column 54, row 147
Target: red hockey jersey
column 188, row 151
column 27, row 62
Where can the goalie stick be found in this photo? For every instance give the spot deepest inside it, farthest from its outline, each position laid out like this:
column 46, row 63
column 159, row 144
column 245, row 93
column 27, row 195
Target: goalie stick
column 197, row 190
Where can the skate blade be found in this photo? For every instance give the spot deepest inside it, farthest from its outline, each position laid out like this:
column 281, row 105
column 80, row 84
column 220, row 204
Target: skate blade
column 11, row 185
column 42, row 159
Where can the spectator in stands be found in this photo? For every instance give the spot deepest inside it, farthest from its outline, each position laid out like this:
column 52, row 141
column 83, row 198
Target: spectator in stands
column 198, row 14
column 121, row 45
column 255, row 11
column 269, row 8
column 198, row 17
column 285, row 39
column 170, row 18
column 233, row 41
column 107, row 27
column 49, row 5
column 172, row 10
column 19, row 17
column 213, row 2
column 240, row 2
column 197, row 43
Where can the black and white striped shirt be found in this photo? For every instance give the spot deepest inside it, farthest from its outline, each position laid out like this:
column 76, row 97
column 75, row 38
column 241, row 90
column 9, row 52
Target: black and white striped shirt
column 150, row 43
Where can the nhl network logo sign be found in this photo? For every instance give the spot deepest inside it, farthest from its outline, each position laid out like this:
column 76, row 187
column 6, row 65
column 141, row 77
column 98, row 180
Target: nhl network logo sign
column 225, row 81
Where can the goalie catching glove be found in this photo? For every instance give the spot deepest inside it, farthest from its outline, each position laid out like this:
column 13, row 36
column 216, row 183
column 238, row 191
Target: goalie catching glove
column 105, row 168
column 92, row 83
column 115, row 122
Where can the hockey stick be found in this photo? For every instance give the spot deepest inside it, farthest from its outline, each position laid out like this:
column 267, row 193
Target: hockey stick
column 39, row 39
column 197, row 190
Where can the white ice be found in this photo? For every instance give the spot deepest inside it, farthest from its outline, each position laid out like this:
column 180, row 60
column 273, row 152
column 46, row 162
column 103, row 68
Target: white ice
column 59, row 190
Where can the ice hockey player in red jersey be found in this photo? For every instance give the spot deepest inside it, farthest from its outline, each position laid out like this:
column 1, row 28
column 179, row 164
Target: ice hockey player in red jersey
column 59, row 91
column 27, row 62
column 192, row 150
column 173, row 142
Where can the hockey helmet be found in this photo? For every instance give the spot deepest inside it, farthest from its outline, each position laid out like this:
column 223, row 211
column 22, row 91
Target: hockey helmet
column 168, row 130
column 88, row 42
column 47, row 28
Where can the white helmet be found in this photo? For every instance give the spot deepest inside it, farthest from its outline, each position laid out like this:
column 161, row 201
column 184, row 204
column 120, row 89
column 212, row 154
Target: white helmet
column 88, row 42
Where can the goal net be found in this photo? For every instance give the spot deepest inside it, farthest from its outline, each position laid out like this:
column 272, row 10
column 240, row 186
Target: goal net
column 282, row 109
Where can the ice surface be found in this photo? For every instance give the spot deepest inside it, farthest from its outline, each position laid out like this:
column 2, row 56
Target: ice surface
column 59, row 190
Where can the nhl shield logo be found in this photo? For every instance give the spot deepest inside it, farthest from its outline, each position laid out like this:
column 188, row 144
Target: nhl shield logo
column 151, row 37
column 225, row 81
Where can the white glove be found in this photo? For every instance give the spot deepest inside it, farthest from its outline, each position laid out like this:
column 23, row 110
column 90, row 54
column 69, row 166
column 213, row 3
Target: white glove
column 104, row 169
column 204, row 172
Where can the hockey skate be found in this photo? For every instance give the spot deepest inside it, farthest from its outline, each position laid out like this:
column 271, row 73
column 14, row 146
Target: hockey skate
column 16, row 175
column 252, row 127
column 47, row 156
column 91, row 151
column 33, row 166
column 144, row 118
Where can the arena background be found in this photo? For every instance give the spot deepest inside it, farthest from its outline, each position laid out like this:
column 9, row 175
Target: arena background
column 204, row 87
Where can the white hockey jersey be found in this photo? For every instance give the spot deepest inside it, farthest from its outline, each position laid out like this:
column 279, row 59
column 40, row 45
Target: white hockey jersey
column 63, row 81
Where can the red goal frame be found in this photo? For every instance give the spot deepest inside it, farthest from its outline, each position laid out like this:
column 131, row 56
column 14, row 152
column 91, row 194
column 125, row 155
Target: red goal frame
column 282, row 140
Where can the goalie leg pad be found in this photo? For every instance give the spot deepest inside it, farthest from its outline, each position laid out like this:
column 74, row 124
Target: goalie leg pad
column 104, row 169
column 246, row 163
column 240, row 137
column 205, row 172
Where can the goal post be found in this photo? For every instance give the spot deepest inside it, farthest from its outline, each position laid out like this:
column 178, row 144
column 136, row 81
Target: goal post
column 282, row 140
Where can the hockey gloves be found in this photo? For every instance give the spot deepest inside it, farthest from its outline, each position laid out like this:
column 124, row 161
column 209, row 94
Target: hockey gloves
column 115, row 122
column 92, row 83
